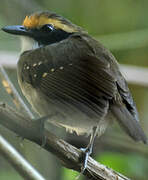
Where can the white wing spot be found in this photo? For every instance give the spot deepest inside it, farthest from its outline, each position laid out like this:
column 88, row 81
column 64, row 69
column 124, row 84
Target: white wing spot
column 45, row 74
column 40, row 63
column 70, row 64
column 35, row 75
column 52, row 70
column 61, row 68
column 35, row 64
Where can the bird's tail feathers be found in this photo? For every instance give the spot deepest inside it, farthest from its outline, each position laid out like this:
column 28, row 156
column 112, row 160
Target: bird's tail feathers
column 129, row 124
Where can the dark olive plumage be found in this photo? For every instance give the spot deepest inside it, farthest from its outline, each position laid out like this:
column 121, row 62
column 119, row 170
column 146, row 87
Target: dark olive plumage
column 74, row 77
column 89, row 81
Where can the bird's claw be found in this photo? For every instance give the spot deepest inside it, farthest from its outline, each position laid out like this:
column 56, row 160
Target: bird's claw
column 86, row 152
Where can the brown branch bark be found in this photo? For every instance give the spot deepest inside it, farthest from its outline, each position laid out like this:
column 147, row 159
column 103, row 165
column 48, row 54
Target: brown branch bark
column 69, row 155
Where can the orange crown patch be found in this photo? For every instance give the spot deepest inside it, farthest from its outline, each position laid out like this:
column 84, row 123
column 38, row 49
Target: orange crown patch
column 31, row 21
column 34, row 21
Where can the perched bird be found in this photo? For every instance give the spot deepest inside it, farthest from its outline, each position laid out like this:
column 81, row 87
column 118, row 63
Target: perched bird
column 66, row 74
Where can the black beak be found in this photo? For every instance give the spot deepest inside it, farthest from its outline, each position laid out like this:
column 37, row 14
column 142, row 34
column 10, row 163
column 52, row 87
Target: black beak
column 18, row 30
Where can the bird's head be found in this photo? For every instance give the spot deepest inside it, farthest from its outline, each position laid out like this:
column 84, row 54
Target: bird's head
column 42, row 28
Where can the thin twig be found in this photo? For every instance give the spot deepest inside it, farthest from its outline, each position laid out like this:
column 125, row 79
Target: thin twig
column 11, row 90
column 18, row 162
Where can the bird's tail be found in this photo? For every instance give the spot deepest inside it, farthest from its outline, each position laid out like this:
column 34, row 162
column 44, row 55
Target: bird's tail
column 128, row 123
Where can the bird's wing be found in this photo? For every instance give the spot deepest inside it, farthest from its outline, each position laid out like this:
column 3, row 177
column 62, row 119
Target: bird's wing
column 81, row 72
column 69, row 72
column 122, row 104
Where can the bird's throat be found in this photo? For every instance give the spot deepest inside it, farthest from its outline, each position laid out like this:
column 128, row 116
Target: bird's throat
column 28, row 43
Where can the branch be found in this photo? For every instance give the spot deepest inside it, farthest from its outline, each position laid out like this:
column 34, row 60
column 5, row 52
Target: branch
column 69, row 155
column 19, row 163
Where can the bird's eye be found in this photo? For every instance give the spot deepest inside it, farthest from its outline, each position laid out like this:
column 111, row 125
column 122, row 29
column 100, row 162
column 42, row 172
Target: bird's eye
column 47, row 28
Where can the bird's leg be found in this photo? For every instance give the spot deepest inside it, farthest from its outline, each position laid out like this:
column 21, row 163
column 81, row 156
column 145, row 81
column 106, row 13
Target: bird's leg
column 88, row 150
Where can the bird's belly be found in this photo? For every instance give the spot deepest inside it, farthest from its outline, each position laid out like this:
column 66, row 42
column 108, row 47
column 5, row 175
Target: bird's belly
column 63, row 114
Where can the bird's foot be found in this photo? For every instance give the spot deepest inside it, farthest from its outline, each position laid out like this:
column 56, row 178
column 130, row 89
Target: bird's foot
column 86, row 152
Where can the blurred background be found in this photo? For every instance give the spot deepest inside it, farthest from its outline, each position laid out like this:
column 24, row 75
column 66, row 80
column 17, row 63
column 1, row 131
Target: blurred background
column 122, row 26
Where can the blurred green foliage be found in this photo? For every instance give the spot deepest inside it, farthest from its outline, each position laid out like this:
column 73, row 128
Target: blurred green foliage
column 120, row 25
column 70, row 174
column 127, row 164
column 5, row 175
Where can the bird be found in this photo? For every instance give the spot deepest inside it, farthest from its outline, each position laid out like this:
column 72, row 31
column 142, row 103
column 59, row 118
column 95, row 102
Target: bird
column 70, row 77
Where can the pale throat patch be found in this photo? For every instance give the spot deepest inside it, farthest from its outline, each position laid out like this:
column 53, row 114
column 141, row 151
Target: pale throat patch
column 28, row 43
